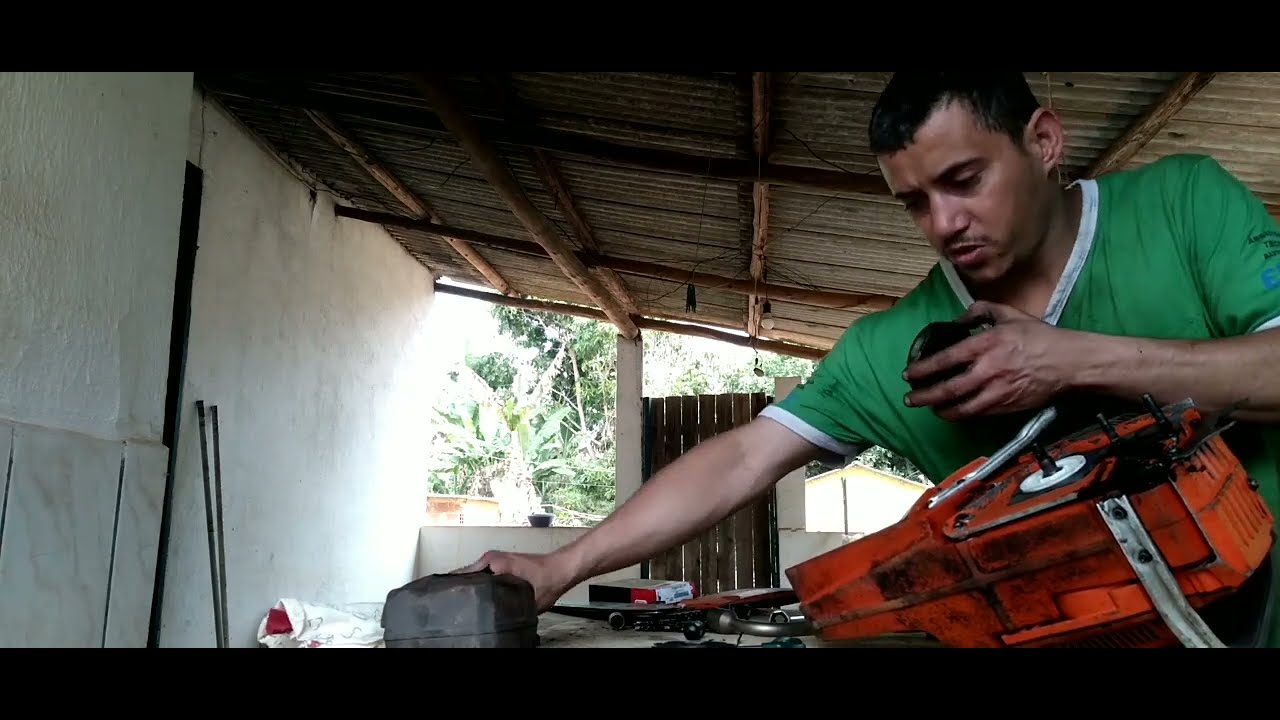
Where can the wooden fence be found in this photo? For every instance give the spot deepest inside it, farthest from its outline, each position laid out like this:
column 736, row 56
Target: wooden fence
column 742, row 550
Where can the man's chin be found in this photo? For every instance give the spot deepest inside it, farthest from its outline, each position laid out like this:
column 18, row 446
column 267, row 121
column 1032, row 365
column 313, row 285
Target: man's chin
column 980, row 273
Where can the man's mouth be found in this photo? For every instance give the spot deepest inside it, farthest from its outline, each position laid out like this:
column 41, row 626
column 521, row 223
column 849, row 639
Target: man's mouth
column 967, row 254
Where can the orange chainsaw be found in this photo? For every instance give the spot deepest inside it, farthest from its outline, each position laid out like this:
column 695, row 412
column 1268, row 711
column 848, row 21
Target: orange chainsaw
column 1142, row 531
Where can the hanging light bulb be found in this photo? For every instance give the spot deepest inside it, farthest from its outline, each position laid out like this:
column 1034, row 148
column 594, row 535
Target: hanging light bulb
column 766, row 317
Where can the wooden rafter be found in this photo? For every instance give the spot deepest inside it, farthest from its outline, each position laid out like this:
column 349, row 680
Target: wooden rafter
column 490, row 164
column 1150, row 123
column 780, row 348
column 761, row 98
column 788, row 293
column 519, row 114
column 823, row 342
column 407, row 197
column 545, row 165
column 296, row 96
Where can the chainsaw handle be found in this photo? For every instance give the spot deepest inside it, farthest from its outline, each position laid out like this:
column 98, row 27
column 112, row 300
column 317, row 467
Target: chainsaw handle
column 1013, row 449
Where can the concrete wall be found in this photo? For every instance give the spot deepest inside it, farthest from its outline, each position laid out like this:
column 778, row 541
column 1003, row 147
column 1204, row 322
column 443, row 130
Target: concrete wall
column 445, row 549
column 311, row 335
column 866, row 501
column 91, row 176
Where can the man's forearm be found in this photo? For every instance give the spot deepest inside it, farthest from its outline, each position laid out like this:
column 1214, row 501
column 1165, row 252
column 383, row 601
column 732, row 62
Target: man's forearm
column 1214, row 373
column 686, row 497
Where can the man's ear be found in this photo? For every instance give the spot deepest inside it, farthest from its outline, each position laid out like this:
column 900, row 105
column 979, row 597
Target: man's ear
column 1046, row 139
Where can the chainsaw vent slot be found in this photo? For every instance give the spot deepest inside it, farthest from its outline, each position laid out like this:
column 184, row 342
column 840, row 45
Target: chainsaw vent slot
column 1136, row 636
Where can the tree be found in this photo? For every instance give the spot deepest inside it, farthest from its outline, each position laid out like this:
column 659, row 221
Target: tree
column 537, row 424
column 556, row 401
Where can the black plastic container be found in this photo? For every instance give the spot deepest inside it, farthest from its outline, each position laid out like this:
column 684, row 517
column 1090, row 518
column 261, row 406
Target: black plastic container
column 466, row 610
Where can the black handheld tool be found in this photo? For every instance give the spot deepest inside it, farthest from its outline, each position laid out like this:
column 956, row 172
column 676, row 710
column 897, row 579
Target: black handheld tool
column 936, row 337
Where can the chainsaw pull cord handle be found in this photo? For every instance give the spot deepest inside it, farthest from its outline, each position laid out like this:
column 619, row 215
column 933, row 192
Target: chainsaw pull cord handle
column 938, row 336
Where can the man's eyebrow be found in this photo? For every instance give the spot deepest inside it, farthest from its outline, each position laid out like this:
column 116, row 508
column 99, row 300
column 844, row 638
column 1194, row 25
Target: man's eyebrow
column 947, row 174
column 956, row 167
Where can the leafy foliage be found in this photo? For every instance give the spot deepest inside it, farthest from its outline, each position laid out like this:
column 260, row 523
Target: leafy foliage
column 535, row 427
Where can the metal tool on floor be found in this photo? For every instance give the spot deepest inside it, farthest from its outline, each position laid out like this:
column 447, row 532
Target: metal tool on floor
column 753, row 611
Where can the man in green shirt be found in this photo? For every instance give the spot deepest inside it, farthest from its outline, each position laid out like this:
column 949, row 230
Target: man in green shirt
column 1162, row 280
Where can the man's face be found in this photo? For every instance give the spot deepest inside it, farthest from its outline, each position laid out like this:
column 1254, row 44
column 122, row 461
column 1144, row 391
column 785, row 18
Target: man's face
column 978, row 197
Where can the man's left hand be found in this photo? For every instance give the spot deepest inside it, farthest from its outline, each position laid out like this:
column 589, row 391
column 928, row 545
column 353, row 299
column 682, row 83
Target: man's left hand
column 1020, row 363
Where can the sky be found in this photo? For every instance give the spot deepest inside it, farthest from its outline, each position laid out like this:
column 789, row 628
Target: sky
column 464, row 324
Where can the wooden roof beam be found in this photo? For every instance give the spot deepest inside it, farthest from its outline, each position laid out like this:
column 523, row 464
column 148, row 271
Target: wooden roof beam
column 781, row 348
column 485, row 158
column 411, row 201
column 761, row 98
column 1150, row 123
column 294, row 94
column 787, row 293
column 545, row 165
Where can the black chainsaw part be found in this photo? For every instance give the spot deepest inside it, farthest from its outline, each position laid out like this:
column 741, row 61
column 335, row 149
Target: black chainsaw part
column 465, row 610
column 933, row 339
column 691, row 623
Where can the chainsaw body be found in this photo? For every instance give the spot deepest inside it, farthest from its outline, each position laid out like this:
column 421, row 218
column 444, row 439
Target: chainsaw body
column 1117, row 536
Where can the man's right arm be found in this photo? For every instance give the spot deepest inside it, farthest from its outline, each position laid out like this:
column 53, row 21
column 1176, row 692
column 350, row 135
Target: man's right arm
column 823, row 418
column 826, row 417
column 702, row 486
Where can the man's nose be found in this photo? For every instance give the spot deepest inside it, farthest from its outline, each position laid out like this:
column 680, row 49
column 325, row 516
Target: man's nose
column 949, row 218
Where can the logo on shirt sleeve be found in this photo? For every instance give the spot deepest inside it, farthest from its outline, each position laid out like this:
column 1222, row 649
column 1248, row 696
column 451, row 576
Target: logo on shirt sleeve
column 1267, row 242
column 1271, row 277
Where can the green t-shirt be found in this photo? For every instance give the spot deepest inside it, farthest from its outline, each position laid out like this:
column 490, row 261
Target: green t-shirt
column 1177, row 249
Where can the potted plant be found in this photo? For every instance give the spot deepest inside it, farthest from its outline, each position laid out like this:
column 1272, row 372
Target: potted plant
column 542, row 519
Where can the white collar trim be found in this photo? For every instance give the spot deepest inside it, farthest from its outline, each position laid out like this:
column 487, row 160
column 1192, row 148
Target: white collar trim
column 1079, row 253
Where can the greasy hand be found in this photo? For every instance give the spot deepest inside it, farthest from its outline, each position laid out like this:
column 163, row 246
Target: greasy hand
column 547, row 573
column 1018, row 364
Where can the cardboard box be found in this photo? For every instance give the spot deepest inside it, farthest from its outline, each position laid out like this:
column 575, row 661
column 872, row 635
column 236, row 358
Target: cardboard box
column 637, row 590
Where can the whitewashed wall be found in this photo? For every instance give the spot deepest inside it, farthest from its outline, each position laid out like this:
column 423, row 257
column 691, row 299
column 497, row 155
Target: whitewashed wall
column 91, row 177
column 311, row 335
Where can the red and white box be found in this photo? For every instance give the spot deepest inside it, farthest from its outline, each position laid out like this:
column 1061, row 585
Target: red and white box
column 640, row 591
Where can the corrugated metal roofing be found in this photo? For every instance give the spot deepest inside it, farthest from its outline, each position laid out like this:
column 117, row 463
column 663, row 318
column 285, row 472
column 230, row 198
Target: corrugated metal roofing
column 818, row 239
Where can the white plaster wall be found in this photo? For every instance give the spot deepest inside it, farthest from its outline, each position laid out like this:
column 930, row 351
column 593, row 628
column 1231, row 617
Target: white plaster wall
column 91, row 175
column 866, row 503
column 797, row 546
column 310, row 333
column 795, row 543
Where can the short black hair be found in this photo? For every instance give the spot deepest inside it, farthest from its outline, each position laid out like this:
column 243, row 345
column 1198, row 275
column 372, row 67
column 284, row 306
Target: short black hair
column 1001, row 102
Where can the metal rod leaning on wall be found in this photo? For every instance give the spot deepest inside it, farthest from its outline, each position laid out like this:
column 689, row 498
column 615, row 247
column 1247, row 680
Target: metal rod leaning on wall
column 209, row 523
column 222, row 547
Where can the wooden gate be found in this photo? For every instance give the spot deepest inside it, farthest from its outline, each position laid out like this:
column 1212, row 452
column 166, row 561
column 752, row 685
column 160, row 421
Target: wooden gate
column 742, row 550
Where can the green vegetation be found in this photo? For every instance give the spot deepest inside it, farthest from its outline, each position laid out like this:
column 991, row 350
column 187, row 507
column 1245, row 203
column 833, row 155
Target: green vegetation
column 535, row 426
